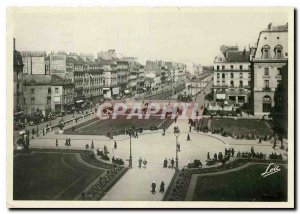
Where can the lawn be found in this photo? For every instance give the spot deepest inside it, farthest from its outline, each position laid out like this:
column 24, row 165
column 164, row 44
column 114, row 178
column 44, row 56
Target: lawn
column 242, row 126
column 116, row 125
column 50, row 176
column 244, row 185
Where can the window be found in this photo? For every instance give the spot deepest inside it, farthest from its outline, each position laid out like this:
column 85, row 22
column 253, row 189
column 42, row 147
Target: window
column 231, row 67
column 218, row 67
column 266, row 71
column 241, row 67
column 49, row 90
column 286, row 54
column 241, row 83
column 32, row 90
column 279, row 71
column 278, row 51
column 218, row 82
column 266, row 83
column 241, row 75
column 231, row 75
column 32, row 100
column 48, row 100
column 249, row 83
column 265, row 52
column 223, row 75
column 223, row 67
column 267, row 103
column 56, row 90
column 231, row 84
column 218, row 75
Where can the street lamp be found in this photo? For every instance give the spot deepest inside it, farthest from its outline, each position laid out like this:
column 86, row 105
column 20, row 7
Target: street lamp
column 130, row 131
column 176, row 133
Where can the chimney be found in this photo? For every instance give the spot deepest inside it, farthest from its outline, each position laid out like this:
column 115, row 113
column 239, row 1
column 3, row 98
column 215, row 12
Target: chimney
column 14, row 44
column 244, row 52
column 270, row 26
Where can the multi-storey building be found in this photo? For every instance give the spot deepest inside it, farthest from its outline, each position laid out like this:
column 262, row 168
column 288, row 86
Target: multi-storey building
column 47, row 93
column 34, row 62
column 232, row 75
column 58, row 64
column 17, row 80
column 269, row 63
column 141, row 79
column 123, row 75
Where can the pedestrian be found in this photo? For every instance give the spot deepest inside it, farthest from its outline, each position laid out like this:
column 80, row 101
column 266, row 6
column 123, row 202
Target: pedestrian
column 56, row 143
column 153, row 185
column 164, row 132
column 172, row 163
column 66, row 142
column 140, row 162
column 162, row 187
column 165, row 165
column 115, row 145
column 176, row 119
column 188, row 137
column 145, row 163
column 69, row 141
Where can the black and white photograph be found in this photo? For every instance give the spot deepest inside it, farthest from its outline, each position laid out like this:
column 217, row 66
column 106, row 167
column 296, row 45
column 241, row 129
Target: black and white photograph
column 150, row 107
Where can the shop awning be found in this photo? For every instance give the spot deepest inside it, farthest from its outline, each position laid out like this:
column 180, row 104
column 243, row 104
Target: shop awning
column 126, row 91
column 79, row 101
column 106, row 88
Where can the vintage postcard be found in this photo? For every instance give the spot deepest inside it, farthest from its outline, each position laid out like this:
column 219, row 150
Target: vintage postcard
column 162, row 107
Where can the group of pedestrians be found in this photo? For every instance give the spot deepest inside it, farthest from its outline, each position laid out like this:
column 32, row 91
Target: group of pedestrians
column 144, row 162
column 68, row 142
column 171, row 163
column 161, row 189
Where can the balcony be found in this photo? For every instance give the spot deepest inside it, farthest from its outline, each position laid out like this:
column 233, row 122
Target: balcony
column 267, row 88
column 220, row 86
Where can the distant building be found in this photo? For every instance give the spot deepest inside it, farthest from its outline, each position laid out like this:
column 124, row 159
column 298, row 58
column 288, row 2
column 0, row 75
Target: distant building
column 232, row 75
column 107, row 55
column 269, row 62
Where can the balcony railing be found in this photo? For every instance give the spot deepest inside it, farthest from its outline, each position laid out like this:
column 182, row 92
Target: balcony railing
column 266, row 88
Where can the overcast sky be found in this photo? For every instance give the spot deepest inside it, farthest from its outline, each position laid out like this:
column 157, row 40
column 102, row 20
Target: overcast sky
column 178, row 34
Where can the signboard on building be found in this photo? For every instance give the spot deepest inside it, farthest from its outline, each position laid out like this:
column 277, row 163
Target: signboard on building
column 57, row 100
column 116, row 91
column 38, row 65
column 221, row 96
column 57, row 64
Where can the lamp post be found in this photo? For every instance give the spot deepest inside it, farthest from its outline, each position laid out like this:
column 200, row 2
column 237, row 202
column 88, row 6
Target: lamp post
column 176, row 133
column 130, row 156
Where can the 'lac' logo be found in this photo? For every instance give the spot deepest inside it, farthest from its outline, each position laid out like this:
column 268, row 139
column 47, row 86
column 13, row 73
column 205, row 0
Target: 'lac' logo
column 271, row 169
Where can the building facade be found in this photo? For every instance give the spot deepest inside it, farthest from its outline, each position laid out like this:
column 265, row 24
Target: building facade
column 232, row 76
column 269, row 63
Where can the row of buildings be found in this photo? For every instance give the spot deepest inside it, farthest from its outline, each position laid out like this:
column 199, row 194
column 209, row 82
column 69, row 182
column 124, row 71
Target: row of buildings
column 58, row 81
column 159, row 73
column 256, row 76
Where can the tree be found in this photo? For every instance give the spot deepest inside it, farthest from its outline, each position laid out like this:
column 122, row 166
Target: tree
column 87, row 146
column 220, row 156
